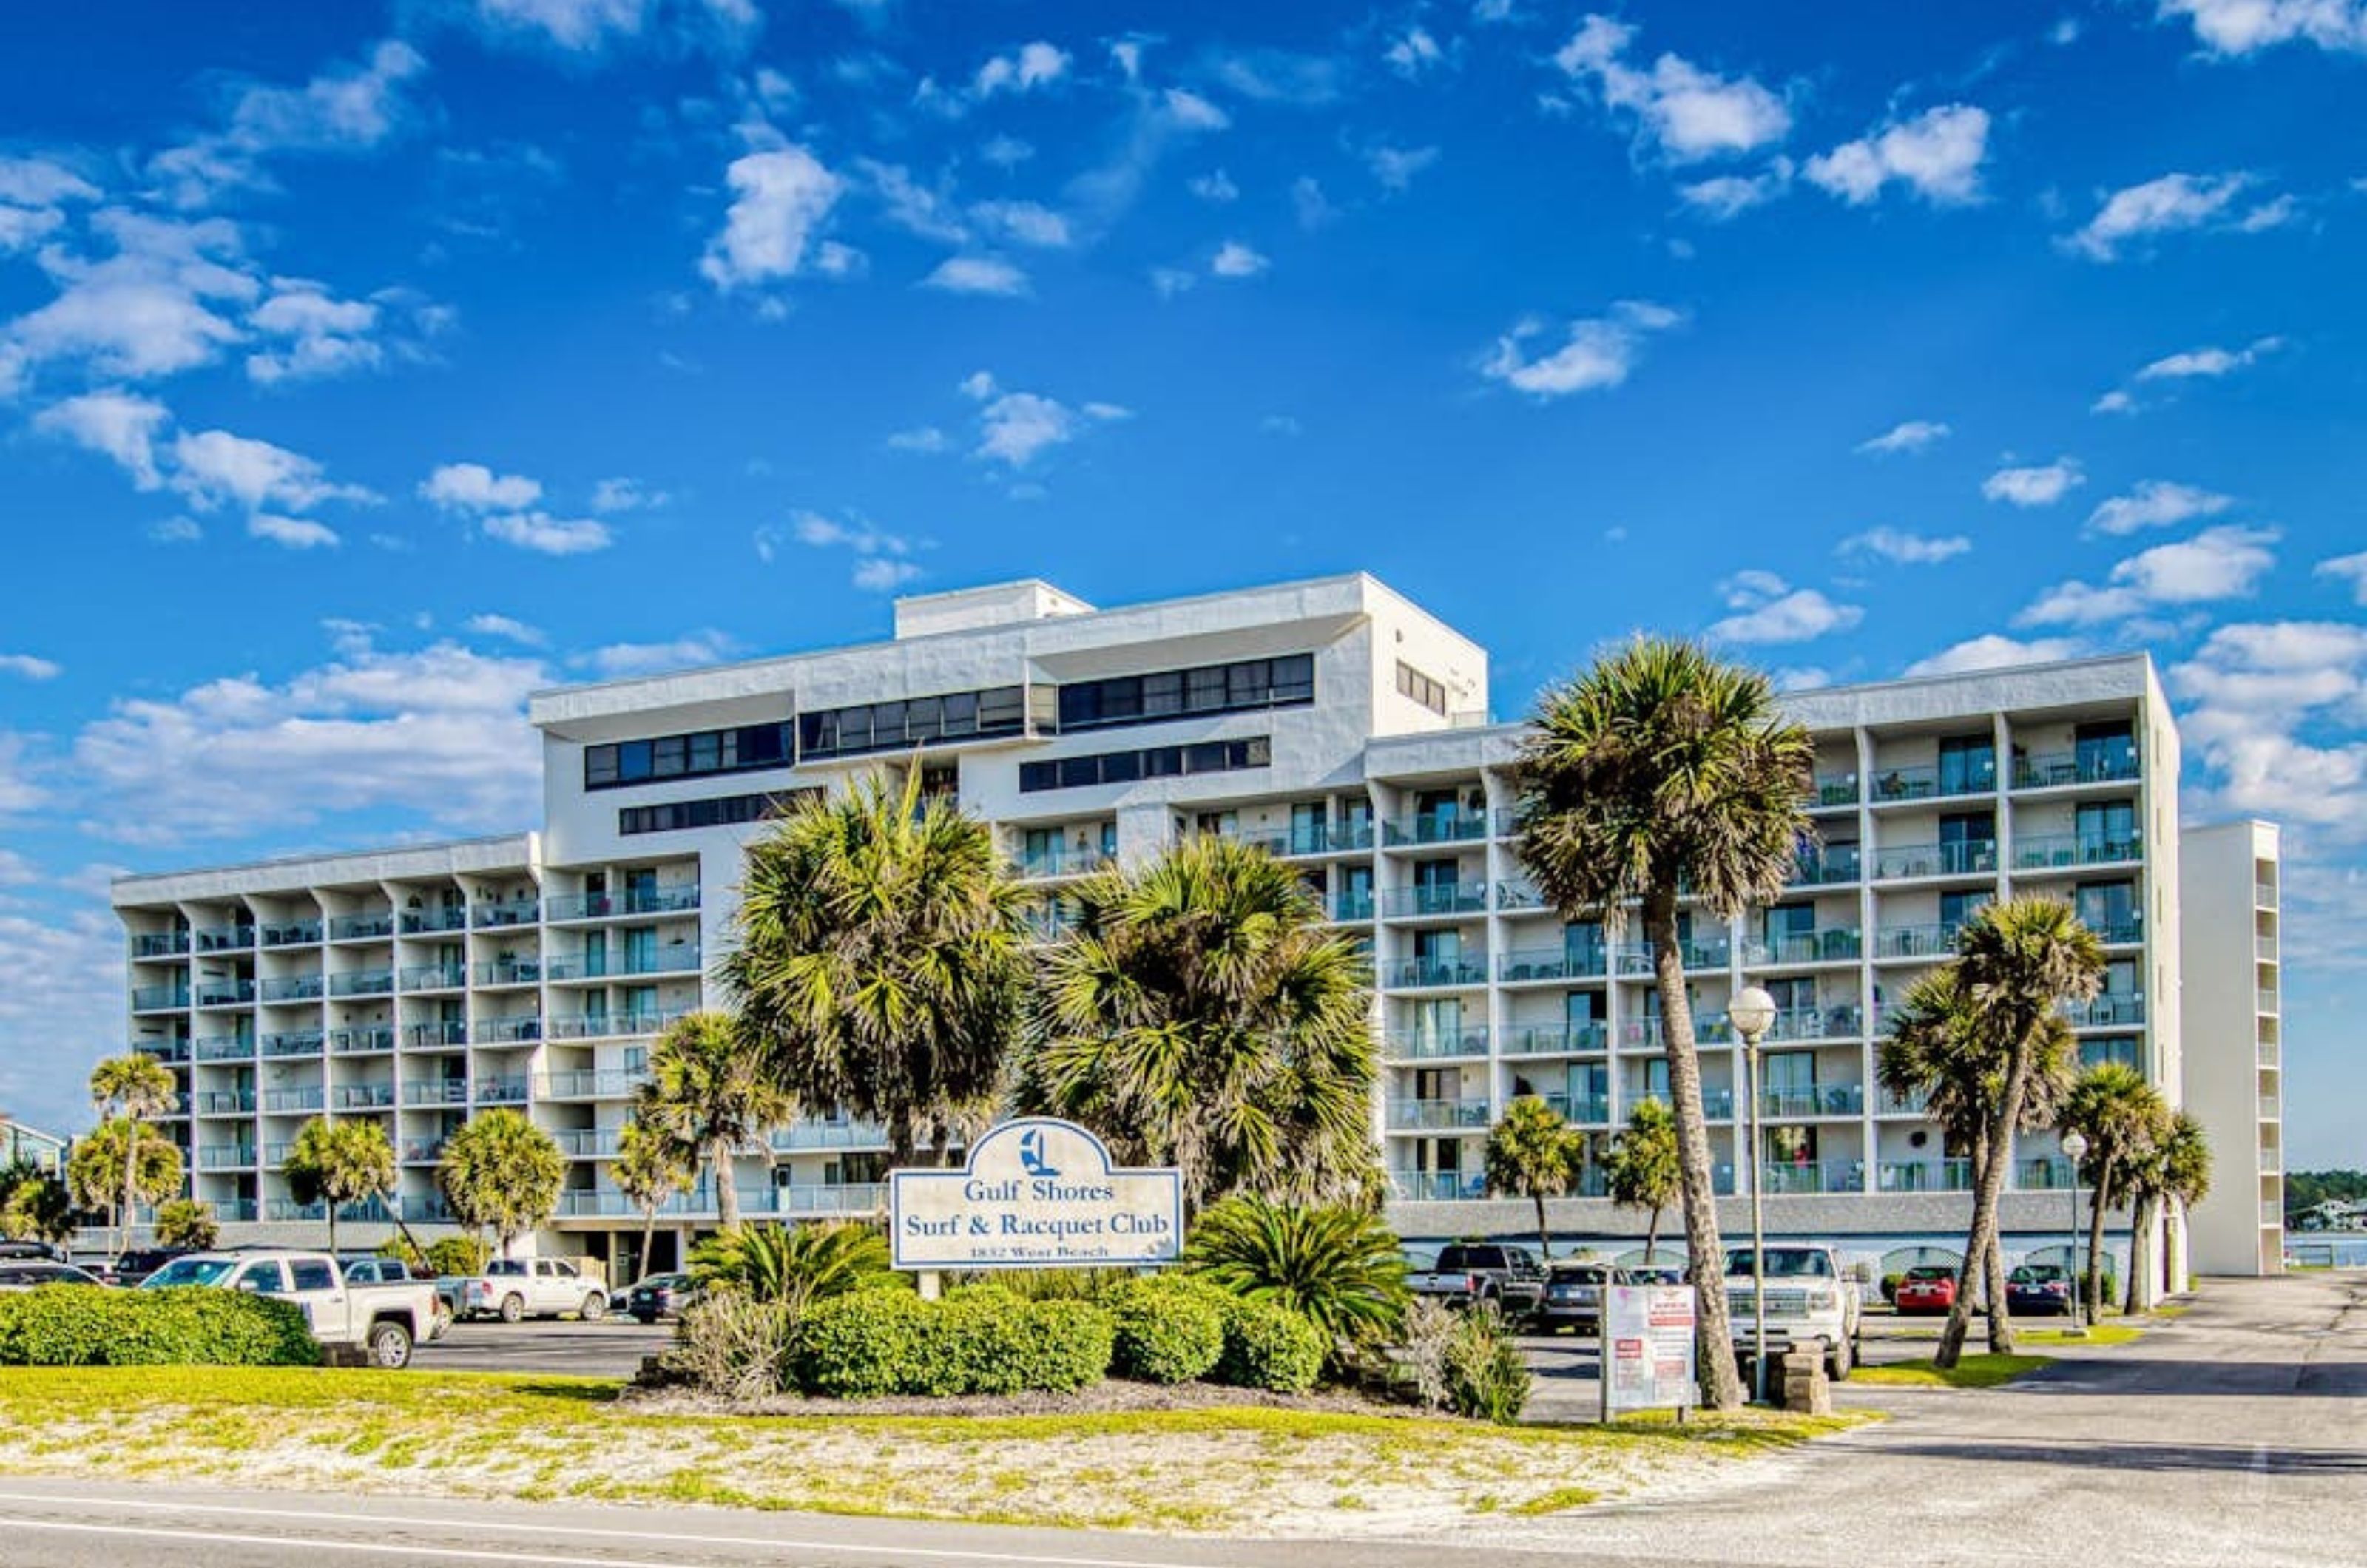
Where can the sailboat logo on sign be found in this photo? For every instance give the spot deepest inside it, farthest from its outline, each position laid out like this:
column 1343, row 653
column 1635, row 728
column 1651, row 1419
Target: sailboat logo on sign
column 1031, row 1154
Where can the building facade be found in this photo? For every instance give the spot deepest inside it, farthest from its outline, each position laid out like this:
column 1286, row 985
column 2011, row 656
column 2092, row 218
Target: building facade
column 2229, row 880
column 1333, row 721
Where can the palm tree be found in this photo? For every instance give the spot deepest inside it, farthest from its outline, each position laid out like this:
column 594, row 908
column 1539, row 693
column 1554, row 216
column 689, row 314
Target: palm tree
column 2174, row 1176
column 139, row 1088
column 2017, row 961
column 1340, row 1267
column 707, row 1091
column 1197, row 1013
column 879, row 961
column 34, row 1205
column 1641, row 1170
column 95, row 1172
column 1661, row 773
column 184, row 1222
column 337, row 1163
column 2123, row 1118
column 502, row 1173
column 650, row 1169
column 1940, row 1051
column 797, row 1265
column 1534, row 1154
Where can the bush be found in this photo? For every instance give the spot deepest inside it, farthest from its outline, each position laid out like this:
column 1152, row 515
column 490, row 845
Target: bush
column 1487, row 1376
column 728, row 1343
column 1269, row 1347
column 1429, row 1334
column 87, row 1326
column 402, row 1251
column 1168, row 1328
column 456, row 1257
column 1340, row 1268
column 869, row 1343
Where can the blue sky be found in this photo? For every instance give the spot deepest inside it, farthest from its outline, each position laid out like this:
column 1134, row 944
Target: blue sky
column 365, row 367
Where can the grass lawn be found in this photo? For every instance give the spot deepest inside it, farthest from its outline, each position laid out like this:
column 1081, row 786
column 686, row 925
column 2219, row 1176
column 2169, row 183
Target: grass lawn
column 1976, row 1371
column 497, row 1435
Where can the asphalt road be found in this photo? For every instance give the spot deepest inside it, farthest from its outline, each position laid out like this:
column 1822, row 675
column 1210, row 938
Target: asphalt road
column 613, row 1348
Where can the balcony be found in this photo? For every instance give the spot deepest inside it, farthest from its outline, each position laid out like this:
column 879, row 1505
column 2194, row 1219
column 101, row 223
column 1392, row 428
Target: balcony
column 159, row 998
column 428, row 1208
column 507, row 1030
column 160, row 944
column 1518, row 893
column 2269, row 1056
column 2271, row 1108
column 2071, row 851
column 1795, row 1179
column 510, row 972
column 293, row 1101
column 1835, row 944
column 1646, row 1033
column 1298, row 839
column 1917, row 942
column 1914, row 1103
column 362, row 983
column 290, row 988
column 603, row 1025
column 1060, row 860
column 363, row 1040
column 587, row 1143
column 800, row 1137
column 1833, row 790
column 435, row 1035
column 1455, row 827
column 2106, row 1012
column 1976, row 774
column 169, row 1052
column 1351, row 905
column 2265, row 948
column 652, row 900
column 1717, row 1104
column 1556, row 1039
column 2125, row 931
column 422, row 1151
column 1818, row 1099
column 2264, row 894
column 2092, row 764
column 1432, row 1045
column 1923, row 1176
column 436, row 1091
column 1586, row 1110
column 1438, row 899
column 510, row 1090
column 362, row 1096
column 374, row 924
column 1437, row 1115
column 585, row 1083
column 226, row 1156
column 427, row 922
column 854, row 1198
column 1824, row 868
column 293, row 1042
column 2051, row 1174
column 1846, row 1021
column 435, row 977
column 1524, row 965
column 226, row 1048
column 504, row 912
column 226, row 1102
column 2265, row 999
column 234, row 1211
column 224, row 993
column 1421, row 973
column 1437, row 1187
column 290, row 933
column 675, row 958
column 222, row 939
column 1972, row 857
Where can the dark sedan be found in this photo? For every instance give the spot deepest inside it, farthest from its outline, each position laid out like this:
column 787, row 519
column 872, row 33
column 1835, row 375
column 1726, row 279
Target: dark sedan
column 2038, row 1290
column 24, row 1274
column 1573, row 1297
column 659, row 1295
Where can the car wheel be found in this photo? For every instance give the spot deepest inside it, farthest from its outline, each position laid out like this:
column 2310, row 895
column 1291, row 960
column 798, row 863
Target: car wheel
column 390, row 1346
column 513, row 1309
column 440, row 1324
column 595, row 1308
column 1840, row 1360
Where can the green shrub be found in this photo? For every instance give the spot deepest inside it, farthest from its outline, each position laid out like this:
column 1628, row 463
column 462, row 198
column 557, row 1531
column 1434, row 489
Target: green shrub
column 456, row 1257
column 1168, row 1328
column 728, row 1343
column 868, row 1343
column 861, row 1345
column 86, row 1325
column 1269, row 1347
column 1487, row 1376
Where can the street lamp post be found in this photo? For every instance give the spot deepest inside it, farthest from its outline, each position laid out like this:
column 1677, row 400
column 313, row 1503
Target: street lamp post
column 2075, row 1149
column 1752, row 1012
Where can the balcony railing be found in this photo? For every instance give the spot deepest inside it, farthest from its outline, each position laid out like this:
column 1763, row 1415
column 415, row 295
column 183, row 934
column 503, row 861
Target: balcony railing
column 2106, row 1012
column 223, row 939
column 675, row 957
column 224, row 993
column 586, row 1083
column 1437, row 1114
column 1590, row 1109
column 2269, row 1056
column 1438, row 899
column 504, row 1090
column 587, row 1143
column 1794, row 1178
column 234, row 1211
column 226, row 1102
column 1717, row 1104
column 1556, row 1039
column 169, row 1052
column 159, row 998
column 2266, row 999
column 1823, row 868
column 1834, row 789
column 436, row 1091
column 2271, row 1108
column 290, row 933
column 225, row 1156
column 1354, row 904
column 2265, row 948
column 1910, row 1105
column 1435, row 828
column 505, row 912
column 1818, row 1099
column 2043, row 852
column 664, row 900
column 1518, row 893
column 290, row 988
column 1646, row 1033
column 422, row 1151
column 1843, row 1022
column 2095, row 764
column 1976, row 775
column 294, row 1043
column 363, row 927
column 506, row 1031
column 510, row 972
column 362, row 1096
column 1972, row 857
column 362, row 983
column 226, row 1048
column 293, row 1101
column 1834, row 944
column 2264, row 894
column 430, row 1036
column 362, row 1040
column 160, row 944
column 425, row 922
column 1431, row 1045
column 1583, row 961
column 1415, row 974
column 815, row 1135
column 1917, row 942
column 1437, row 1186
column 1061, row 859
column 435, row 977
column 429, row 1207
column 602, row 1025
column 1923, row 1176
column 2050, row 1174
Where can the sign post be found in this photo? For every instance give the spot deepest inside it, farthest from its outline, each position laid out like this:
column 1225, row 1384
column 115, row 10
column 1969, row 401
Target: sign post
column 1034, row 1193
column 1648, row 1348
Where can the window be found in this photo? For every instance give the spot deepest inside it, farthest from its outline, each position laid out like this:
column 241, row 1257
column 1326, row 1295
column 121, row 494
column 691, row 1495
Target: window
column 716, row 811
column 901, row 723
column 264, row 1279
column 1243, row 686
column 312, row 1274
column 1154, row 762
column 752, row 746
column 1430, row 694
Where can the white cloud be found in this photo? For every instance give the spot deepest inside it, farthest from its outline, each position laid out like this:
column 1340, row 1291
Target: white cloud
column 977, row 275
column 1025, row 223
column 1310, row 205
column 589, row 27
column 622, row 494
column 213, row 466
column 1395, row 167
column 39, row 182
column 1937, row 155
column 882, row 560
column 2348, row 569
column 1769, row 610
column 1014, row 428
column 295, row 533
column 922, row 438
column 154, row 307
column 2243, row 27
column 2208, row 363
column 1279, row 77
column 1908, row 436
column 1727, row 197
column 2225, row 562
column 1688, row 113
column 1234, row 259
column 1170, row 281
column 1190, row 111
column 1411, row 52
column 29, row 667
column 2042, row 485
column 472, row 487
column 320, row 334
column 1906, row 548
column 2113, row 402
column 349, row 110
column 2276, row 713
column 507, row 627
column 1600, row 351
column 1994, row 651
column 176, row 531
column 2155, row 503
column 912, row 207
column 780, row 197
column 1217, row 187
column 1036, row 64
column 118, row 424
column 2172, row 204
column 549, row 536
column 1006, row 151
column 694, row 651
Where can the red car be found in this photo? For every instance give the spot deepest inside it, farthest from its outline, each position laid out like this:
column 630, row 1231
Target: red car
column 1925, row 1289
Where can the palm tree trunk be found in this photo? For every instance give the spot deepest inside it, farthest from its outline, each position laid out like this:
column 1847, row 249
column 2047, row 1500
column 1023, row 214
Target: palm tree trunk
column 2000, row 1306
column 1545, row 1237
column 649, row 1239
column 1984, row 1236
column 1721, row 1383
column 2142, row 1272
column 130, row 1181
column 727, row 1197
column 332, row 1202
column 1652, row 1237
column 2095, row 1291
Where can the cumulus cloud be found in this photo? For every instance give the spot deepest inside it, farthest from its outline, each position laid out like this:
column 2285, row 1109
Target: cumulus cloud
column 2245, row 27
column 549, row 536
column 1024, row 222
column 2219, row 563
column 1994, row 651
column 780, row 197
column 1595, row 352
column 2274, row 711
column 2173, row 204
column 623, row 494
column 1906, row 548
column 1033, row 65
column 293, row 532
column 1216, row 187
column 1685, row 112
column 316, row 334
column 1015, row 428
column 163, row 300
column 2155, row 503
column 213, row 467
column 1726, row 197
column 1908, row 436
column 1412, row 52
column 592, row 27
column 2351, row 569
column 881, row 560
column 117, row 424
column 507, row 627
column 1395, row 167
column 2041, row 485
column 346, row 109
column 1768, row 610
column 472, row 487
column 1937, row 155
column 2208, row 363
column 1234, row 259
column 31, row 667
column 977, row 275
column 620, row 660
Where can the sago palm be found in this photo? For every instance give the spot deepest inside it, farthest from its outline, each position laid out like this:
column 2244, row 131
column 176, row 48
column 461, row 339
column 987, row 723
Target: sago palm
column 2163, row 1188
column 1533, row 1154
column 1640, row 1171
column 502, row 1173
column 795, row 1265
column 1661, row 773
column 2123, row 1118
column 1197, row 1013
column 709, row 1089
column 879, row 960
column 140, row 1088
column 650, row 1169
column 1340, row 1267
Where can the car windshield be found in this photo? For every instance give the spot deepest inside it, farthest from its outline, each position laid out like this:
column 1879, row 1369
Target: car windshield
column 1456, row 1259
column 189, row 1272
column 1582, row 1273
column 1784, row 1263
column 2034, row 1274
column 1929, row 1273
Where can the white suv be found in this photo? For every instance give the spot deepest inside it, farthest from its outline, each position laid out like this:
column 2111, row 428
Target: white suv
column 1811, row 1297
column 515, row 1288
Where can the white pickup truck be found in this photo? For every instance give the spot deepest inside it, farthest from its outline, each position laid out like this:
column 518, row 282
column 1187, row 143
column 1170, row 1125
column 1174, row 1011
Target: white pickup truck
column 515, row 1288
column 384, row 1320
column 1811, row 1298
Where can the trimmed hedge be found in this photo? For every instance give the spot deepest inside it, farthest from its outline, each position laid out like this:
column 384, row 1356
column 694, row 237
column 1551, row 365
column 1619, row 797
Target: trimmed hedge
column 1269, row 1347
column 866, row 1344
column 1171, row 1328
column 88, row 1326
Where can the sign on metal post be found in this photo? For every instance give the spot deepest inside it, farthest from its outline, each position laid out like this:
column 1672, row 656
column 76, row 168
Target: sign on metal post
column 1036, row 1193
column 1648, row 1348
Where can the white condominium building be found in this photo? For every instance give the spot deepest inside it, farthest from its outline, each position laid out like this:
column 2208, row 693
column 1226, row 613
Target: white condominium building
column 1333, row 721
column 2234, row 1069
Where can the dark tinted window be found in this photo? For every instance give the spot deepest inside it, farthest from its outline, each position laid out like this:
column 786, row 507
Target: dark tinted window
column 1153, row 763
column 313, row 1274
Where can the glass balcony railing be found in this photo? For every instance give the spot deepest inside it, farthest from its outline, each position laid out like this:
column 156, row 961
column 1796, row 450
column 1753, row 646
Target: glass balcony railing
column 2051, row 850
column 426, row 922
column 226, row 1102
column 1917, row 942
column 293, row 1101
column 160, row 944
column 1417, row 973
column 1351, row 904
column 226, row 1048
column 1910, row 1105
column 1923, row 1176
column 1832, row 864
column 1518, row 893
column 2264, row 894
column 587, row 1142
column 2118, row 932
column 435, row 1035
column 290, row 988
column 293, row 1042
column 1439, row 898
column 586, row 1083
column 839, row 1198
column 606, row 1025
column 159, row 998
column 2106, row 1012
column 1435, row 828
column 511, row 1091
column 505, row 912
column 169, row 1052
column 1556, row 1039
column 1717, row 1104
column 1972, row 857
column 366, row 926
column 1437, row 1187
column 1792, row 1177
column 290, row 933
column 1846, row 1021
column 224, row 993
column 1834, row 944
column 1061, row 859
column 2266, row 999
column 819, row 1134
column 506, row 1031
column 425, row 1208
column 362, row 983
column 435, row 977
column 225, row 1156
column 2050, row 1174
column 422, row 1151
column 1974, row 774
column 510, row 972
column 1816, row 1099
column 1429, row 1045
column 436, row 1091
column 1432, row 1115
column 2266, row 949
column 222, row 939
column 1566, row 963
column 1646, row 1033
column 632, row 901
column 2090, row 764
column 362, row 1096
column 1833, row 790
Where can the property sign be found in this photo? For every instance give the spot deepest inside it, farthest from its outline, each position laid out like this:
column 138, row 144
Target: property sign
column 1647, row 1348
column 1036, row 1193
